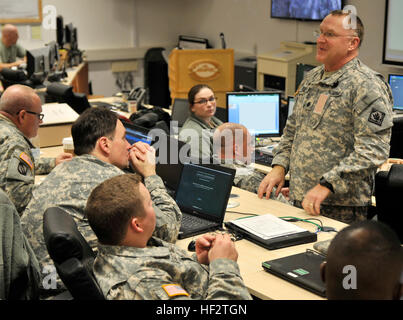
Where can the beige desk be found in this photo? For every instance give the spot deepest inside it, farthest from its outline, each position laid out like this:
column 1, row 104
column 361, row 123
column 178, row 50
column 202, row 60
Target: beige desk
column 260, row 283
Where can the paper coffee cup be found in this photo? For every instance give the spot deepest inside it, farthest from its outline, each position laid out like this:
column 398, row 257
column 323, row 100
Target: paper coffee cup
column 68, row 145
column 132, row 106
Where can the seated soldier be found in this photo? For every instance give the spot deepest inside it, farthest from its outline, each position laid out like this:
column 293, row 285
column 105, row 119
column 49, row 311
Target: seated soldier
column 233, row 149
column 364, row 262
column 20, row 117
column 134, row 263
column 102, row 152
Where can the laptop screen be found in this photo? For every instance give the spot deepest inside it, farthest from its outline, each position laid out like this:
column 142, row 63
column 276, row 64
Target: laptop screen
column 259, row 112
column 204, row 191
column 396, row 84
column 168, row 160
column 135, row 133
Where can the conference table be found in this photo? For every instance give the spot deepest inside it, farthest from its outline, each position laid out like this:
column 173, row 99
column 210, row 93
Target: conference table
column 260, row 283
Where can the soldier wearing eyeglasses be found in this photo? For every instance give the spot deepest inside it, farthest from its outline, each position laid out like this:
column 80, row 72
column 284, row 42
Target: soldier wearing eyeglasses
column 20, row 117
column 199, row 127
column 339, row 131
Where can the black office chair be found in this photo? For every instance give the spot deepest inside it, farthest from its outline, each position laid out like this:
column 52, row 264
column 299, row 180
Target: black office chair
column 221, row 113
column 19, row 268
column 388, row 190
column 71, row 254
column 180, row 111
column 9, row 77
column 64, row 94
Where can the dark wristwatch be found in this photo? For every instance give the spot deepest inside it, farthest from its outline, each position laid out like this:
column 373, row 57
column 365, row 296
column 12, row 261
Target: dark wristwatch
column 326, row 184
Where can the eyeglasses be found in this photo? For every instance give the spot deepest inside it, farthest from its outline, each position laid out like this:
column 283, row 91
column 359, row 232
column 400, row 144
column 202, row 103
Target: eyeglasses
column 330, row 35
column 204, row 101
column 39, row 115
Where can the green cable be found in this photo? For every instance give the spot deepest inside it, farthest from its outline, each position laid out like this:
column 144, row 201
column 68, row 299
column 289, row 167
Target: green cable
column 304, row 220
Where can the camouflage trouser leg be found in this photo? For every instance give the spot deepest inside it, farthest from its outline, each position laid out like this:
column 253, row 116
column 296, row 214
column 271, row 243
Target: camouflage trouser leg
column 341, row 213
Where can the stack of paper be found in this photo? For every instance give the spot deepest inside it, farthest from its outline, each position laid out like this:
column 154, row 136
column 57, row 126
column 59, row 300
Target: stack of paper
column 267, row 226
column 57, row 113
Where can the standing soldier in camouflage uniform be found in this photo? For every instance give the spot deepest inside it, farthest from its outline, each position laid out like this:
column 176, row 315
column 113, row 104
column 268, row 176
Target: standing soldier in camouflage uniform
column 133, row 262
column 20, row 116
column 233, row 149
column 339, row 131
column 102, row 151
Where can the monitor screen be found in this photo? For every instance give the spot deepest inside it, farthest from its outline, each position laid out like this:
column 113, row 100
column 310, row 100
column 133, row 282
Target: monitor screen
column 135, row 133
column 304, row 9
column 259, row 112
column 396, row 84
column 291, row 102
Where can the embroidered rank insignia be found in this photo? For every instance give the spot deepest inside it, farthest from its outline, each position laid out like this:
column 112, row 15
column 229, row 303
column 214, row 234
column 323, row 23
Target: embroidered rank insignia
column 22, row 169
column 24, row 157
column 376, row 117
column 173, row 290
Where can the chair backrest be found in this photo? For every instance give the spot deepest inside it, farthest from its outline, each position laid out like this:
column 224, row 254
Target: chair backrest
column 71, row 254
column 64, row 94
column 388, row 192
column 180, row 111
column 396, row 145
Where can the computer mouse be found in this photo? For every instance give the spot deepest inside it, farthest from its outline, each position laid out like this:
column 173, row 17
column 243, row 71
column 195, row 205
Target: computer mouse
column 192, row 245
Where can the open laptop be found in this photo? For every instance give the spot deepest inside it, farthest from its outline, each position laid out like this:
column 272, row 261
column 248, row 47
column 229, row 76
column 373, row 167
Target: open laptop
column 168, row 163
column 202, row 196
column 136, row 133
column 302, row 269
column 180, row 111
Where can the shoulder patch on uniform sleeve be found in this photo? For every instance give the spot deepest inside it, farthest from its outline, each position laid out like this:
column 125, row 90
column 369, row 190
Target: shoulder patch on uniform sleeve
column 24, row 157
column 376, row 117
column 173, row 290
column 22, row 169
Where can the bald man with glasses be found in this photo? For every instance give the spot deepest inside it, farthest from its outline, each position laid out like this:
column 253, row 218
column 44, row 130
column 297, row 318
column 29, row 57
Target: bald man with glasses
column 20, row 117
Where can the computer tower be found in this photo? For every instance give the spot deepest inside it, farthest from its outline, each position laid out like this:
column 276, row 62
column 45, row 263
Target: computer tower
column 245, row 72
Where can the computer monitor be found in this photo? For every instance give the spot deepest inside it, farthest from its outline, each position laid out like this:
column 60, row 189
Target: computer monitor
column 60, row 31
column 290, row 104
column 396, row 84
column 38, row 64
column 302, row 70
column 258, row 111
column 70, row 35
column 53, row 55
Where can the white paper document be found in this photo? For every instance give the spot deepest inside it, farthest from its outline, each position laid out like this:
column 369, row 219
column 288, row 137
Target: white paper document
column 267, row 226
column 56, row 113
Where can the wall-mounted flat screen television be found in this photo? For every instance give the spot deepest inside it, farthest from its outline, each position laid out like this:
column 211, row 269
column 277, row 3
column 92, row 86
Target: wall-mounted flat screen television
column 392, row 40
column 310, row 10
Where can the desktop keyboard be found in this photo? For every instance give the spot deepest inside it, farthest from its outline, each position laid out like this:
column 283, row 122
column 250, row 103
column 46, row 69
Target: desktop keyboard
column 263, row 158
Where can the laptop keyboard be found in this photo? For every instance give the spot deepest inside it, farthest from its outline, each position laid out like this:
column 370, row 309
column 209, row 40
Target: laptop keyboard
column 192, row 222
column 263, row 158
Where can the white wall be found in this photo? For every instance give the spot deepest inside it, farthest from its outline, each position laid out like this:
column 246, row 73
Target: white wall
column 246, row 24
column 100, row 23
